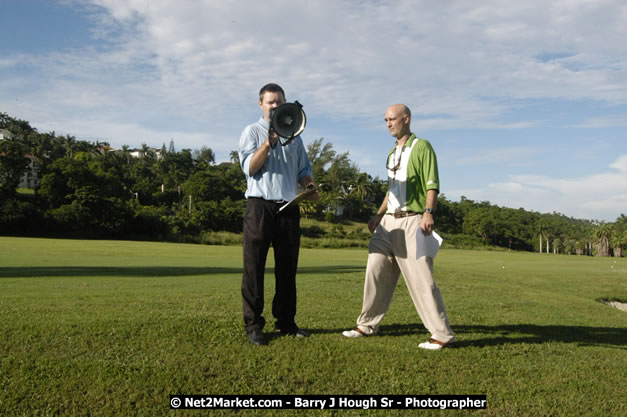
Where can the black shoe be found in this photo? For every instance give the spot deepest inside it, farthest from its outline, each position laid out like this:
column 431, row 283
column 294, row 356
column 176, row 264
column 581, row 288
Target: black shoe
column 256, row 337
column 300, row 333
column 293, row 331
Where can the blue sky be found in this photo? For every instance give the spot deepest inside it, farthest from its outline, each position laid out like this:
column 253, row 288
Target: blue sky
column 525, row 103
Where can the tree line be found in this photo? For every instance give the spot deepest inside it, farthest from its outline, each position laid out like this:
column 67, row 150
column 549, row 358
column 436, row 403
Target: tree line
column 87, row 189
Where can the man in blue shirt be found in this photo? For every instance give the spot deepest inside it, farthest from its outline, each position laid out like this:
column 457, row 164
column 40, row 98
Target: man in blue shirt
column 273, row 174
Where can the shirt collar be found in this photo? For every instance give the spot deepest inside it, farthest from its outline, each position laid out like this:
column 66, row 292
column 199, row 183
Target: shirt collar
column 264, row 123
column 410, row 140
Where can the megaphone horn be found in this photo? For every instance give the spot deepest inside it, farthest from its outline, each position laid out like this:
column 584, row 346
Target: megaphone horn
column 288, row 121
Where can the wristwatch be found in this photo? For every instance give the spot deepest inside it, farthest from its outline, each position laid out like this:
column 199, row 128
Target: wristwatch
column 429, row 210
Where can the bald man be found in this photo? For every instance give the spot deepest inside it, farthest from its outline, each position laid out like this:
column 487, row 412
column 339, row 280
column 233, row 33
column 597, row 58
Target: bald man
column 406, row 210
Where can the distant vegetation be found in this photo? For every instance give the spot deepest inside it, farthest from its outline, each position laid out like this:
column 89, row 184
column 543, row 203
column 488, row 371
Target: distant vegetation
column 90, row 190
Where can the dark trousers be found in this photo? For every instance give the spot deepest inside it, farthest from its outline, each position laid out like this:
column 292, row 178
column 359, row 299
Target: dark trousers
column 262, row 227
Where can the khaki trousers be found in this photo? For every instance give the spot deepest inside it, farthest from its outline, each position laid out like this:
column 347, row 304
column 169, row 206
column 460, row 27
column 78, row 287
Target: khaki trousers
column 392, row 251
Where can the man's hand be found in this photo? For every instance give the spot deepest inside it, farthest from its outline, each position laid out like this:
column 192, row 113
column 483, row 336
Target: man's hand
column 427, row 223
column 374, row 222
column 273, row 137
column 316, row 195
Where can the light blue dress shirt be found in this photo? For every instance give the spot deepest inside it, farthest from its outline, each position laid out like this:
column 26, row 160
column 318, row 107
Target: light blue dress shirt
column 278, row 178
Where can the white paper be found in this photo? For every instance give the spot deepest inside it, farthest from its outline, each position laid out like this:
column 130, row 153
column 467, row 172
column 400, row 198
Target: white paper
column 427, row 245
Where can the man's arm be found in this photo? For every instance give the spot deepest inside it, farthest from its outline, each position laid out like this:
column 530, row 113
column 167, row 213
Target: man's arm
column 428, row 223
column 261, row 154
column 376, row 219
column 259, row 158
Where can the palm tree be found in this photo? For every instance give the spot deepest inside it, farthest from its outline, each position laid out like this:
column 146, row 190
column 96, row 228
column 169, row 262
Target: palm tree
column 41, row 149
column 618, row 241
column 580, row 247
column 69, row 142
column 362, row 187
column 603, row 233
column 207, row 155
column 541, row 230
column 145, row 150
column 126, row 154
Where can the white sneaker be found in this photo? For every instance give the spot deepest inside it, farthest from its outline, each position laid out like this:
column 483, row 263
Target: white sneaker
column 433, row 344
column 430, row 346
column 354, row 333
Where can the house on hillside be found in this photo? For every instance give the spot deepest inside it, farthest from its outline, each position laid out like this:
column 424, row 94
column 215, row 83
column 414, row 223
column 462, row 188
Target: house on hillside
column 5, row 134
column 31, row 179
column 152, row 152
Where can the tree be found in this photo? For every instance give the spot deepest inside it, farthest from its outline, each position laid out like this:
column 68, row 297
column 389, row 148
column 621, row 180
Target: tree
column 603, row 233
column 86, row 194
column 173, row 169
column 216, row 182
column 617, row 242
column 481, row 222
column 126, row 154
column 146, row 153
column 541, row 230
column 204, row 156
column 13, row 164
column 557, row 245
column 69, row 144
column 319, row 157
column 447, row 220
column 362, row 186
column 306, row 207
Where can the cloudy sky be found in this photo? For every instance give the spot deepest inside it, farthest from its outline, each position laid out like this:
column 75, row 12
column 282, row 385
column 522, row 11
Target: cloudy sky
column 525, row 102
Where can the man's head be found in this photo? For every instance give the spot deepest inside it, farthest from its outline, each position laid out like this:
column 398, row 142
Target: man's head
column 270, row 97
column 398, row 120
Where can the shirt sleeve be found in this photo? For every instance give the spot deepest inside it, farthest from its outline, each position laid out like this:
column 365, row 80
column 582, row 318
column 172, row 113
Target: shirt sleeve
column 429, row 168
column 304, row 166
column 247, row 147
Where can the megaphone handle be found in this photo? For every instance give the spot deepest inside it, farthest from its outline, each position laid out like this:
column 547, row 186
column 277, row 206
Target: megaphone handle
column 273, row 138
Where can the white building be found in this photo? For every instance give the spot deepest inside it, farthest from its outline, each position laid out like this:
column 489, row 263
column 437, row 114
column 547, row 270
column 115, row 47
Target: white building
column 5, row 134
column 30, row 179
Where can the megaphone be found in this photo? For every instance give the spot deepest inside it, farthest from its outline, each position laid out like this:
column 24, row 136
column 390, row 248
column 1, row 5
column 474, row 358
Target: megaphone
column 288, row 121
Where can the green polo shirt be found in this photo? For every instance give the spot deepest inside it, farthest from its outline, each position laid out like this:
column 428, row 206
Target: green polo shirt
column 417, row 172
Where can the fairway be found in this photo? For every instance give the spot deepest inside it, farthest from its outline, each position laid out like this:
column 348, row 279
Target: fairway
column 108, row 328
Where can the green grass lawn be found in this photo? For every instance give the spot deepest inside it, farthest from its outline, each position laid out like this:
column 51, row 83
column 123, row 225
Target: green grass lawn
column 109, row 328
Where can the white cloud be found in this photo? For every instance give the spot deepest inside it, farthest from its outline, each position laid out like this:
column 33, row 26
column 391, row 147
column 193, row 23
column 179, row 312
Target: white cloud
column 601, row 196
column 345, row 56
column 345, row 59
column 620, row 164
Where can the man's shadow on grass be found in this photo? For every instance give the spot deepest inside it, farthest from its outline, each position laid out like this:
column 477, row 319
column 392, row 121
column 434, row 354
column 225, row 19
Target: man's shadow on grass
column 476, row 335
column 152, row 271
column 506, row 334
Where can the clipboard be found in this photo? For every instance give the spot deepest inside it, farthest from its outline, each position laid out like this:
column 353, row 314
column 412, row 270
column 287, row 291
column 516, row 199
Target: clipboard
column 300, row 197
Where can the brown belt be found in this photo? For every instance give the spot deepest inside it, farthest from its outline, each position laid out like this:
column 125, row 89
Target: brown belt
column 401, row 214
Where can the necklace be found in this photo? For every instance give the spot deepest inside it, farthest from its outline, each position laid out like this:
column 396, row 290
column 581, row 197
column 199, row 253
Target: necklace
column 397, row 163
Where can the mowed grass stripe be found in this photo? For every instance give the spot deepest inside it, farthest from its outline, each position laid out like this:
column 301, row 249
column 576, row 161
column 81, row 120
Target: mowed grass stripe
column 112, row 328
